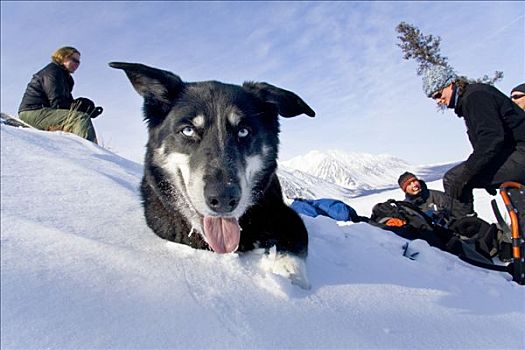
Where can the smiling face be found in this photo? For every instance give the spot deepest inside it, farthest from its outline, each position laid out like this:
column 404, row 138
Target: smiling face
column 413, row 188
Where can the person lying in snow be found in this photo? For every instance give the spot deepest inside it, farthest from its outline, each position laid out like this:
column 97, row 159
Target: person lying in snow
column 477, row 240
column 429, row 215
column 452, row 214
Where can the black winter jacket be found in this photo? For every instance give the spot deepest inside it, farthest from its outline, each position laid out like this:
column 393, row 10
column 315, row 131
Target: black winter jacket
column 50, row 87
column 495, row 126
column 433, row 202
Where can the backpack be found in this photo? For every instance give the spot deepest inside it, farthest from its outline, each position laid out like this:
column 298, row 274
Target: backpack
column 408, row 221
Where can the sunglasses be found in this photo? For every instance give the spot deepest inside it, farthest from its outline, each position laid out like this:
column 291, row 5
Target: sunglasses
column 516, row 97
column 437, row 95
column 74, row 60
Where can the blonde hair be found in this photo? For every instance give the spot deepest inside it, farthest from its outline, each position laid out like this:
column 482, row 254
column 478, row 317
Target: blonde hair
column 60, row 55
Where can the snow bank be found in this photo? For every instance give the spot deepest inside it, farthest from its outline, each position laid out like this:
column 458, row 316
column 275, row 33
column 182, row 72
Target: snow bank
column 80, row 269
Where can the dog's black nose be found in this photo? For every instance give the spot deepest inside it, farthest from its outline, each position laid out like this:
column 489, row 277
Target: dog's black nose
column 222, row 198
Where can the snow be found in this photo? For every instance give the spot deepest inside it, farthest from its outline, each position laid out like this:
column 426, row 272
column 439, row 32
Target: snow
column 360, row 172
column 81, row 269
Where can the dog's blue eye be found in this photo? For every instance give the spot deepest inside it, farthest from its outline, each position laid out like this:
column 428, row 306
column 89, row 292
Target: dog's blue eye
column 243, row 132
column 188, row 131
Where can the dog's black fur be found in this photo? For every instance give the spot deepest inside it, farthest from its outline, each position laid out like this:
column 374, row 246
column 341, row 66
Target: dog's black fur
column 212, row 152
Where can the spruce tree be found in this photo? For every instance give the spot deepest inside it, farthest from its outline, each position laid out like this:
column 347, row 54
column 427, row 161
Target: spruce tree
column 425, row 50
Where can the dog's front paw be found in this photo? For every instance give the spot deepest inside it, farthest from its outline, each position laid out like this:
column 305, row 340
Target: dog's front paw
column 292, row 267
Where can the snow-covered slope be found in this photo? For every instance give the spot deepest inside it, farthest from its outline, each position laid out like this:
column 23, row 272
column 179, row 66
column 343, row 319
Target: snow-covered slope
column 360, row 172
column 80, row 269
column 298, row 184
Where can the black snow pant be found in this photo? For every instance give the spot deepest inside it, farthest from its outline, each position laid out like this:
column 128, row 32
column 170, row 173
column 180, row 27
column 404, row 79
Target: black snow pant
column 507, row 168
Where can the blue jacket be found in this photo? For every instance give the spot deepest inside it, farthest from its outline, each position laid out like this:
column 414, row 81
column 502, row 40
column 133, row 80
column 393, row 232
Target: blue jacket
column 332, row 208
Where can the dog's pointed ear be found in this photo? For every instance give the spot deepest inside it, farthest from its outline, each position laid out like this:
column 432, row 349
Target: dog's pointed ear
column 288, row 103
column 151, row 82
column 159, row 88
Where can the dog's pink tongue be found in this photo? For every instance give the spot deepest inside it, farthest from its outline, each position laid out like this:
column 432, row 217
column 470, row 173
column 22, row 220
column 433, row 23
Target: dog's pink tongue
column 222, row 234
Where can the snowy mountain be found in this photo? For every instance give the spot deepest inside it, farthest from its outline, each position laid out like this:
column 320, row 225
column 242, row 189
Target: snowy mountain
column 80, row 269
column 298, row 184
column 360, row 173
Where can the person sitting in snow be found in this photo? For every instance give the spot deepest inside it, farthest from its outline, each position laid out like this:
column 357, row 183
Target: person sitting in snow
column 452, row 214
column 47, row 103
column 434, row 203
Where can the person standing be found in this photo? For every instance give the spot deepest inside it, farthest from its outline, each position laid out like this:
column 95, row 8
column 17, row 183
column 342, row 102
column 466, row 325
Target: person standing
column 495, row 128
column 48, row 103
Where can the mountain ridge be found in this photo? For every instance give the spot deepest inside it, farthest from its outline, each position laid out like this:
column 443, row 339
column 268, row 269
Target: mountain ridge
column 341, row 175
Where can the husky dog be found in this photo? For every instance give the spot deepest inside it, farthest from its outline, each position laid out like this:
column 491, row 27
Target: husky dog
column 210, row 167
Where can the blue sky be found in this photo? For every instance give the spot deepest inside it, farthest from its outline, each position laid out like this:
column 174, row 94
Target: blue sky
column 340, row 57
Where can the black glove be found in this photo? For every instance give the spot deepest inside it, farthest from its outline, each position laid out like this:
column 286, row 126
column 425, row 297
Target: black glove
column 83, row 104
column 491, row 191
